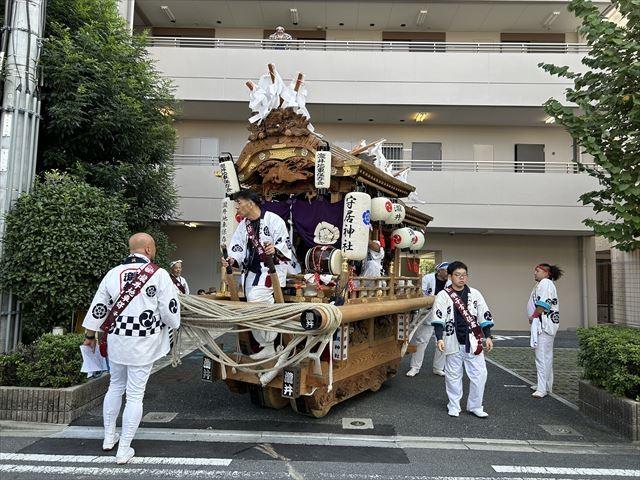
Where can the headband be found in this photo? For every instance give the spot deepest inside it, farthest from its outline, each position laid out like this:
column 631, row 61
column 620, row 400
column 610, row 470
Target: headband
column 544, row 268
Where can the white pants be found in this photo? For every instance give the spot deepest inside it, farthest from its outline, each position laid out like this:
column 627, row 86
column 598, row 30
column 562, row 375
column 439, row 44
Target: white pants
column 423, row 335
column 544, row 362
column 476, row 369
column 133, row 380
column 262, row 294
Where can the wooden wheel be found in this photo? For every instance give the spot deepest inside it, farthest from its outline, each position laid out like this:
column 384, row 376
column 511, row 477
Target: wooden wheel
column 267, row 397
column 302, row 405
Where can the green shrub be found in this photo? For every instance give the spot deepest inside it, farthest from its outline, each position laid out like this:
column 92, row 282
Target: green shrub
column 9, row 368
column 55, row 362
column 60, row 240
column 610, row 357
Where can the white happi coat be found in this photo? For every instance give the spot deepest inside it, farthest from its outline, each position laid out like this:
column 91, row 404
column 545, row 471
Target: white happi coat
column 182, row 281
column 544, row 295
column 273, row 230
column 373, row 263
column 429, row 288
column 139, row 335
column 443, row 314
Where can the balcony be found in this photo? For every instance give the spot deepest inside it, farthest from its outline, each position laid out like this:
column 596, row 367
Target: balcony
column 370, row 73
column 461, row 195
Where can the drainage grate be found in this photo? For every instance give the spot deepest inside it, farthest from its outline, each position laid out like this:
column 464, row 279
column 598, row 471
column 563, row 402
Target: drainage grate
column 357, row 423
column 560, row 430
column 159, row 417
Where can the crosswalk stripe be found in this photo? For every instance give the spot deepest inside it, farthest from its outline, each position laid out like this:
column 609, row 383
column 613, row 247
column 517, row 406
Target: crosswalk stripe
column 608, row 472
column 36, row 457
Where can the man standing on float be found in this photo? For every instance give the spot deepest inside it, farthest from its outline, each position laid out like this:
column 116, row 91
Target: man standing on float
column 259, row 235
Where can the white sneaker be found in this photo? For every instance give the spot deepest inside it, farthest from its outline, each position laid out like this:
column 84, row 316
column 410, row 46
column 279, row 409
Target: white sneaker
column 109, row 443
column 440, row 373
column 125, row 455
column 453, row 413
column 266, row 352
column 479, row 412
column 538, row 394
column 534, row 387
column 413, row 372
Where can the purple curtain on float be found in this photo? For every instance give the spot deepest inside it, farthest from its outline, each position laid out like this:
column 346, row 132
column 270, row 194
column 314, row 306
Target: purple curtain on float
column 307, row 215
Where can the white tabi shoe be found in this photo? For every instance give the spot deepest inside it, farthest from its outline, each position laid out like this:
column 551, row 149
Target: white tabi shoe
column 413, row 372
column 538, row 394
column 109, row 443
column 266, row 352
column 479, row 412
column 534, row 387
column 440, row 373
column 124, row 455
column 453, row 413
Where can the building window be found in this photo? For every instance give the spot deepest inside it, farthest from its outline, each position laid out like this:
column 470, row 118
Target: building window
column 529, row 158
column 426, row 156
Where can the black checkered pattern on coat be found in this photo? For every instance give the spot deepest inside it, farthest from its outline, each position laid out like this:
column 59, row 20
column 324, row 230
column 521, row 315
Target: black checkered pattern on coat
column 131, row 327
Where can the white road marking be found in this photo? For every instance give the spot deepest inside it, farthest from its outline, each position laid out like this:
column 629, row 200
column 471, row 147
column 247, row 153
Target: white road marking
column 608, row 472
column 352, row 440
column 32, row 457
column 234, row 474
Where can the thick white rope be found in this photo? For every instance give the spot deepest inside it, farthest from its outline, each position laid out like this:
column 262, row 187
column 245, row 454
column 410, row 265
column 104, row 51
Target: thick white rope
column 204, row 320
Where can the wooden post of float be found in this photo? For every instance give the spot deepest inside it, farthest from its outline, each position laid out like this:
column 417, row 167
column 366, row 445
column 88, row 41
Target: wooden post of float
column 272, row 74
column 228, row 275
column 394, row 270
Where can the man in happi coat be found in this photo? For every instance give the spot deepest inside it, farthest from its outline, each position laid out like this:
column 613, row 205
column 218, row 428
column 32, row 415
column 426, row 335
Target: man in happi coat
column 178, row 280
column 146, row 301
column 432, row 284
column 543, row 310
column 260, row 234
column 462, row 321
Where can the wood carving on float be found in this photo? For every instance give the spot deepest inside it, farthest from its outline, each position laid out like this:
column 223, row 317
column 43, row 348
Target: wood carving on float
column 350, row 230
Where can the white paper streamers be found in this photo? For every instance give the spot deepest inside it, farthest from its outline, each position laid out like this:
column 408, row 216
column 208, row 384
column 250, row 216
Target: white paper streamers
column 381, row 209
column 228, row 221
column 419, row 243
column 403, row 237
column 229, row 177
column 323, row 169
column 356, row 223
column 398, row 214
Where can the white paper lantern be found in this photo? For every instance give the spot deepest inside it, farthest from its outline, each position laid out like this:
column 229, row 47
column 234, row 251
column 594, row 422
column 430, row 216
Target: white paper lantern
column 229, row 177
column 381, row 209
column 228, row 221
column 403, row 237
column 397, row 216
column 419, row 242
column 356, row 223
column 323, row 169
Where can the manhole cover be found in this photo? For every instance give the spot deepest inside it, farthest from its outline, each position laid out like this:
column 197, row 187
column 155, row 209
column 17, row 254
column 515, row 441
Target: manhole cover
column 560, row 430
column 357, row 423
column 159, row 417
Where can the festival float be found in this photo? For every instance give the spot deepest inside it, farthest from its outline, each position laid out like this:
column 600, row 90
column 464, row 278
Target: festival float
column 340, row 332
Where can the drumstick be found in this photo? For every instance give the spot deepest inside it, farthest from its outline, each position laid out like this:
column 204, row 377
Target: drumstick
column 231, row 283
column 275, row 281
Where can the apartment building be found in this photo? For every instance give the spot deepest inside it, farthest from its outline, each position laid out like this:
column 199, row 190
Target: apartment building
column 453, row 87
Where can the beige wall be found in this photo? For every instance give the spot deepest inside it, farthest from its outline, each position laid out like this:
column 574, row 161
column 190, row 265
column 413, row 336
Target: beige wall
column 200, row 252
column 501, row 267
column 625, row 275
column 457, row 141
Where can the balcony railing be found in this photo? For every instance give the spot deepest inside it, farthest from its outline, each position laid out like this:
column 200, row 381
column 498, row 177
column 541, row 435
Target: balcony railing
column 367, row 46
column 429, row 165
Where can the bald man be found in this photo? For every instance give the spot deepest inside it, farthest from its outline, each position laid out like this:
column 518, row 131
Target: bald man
column 136, row 302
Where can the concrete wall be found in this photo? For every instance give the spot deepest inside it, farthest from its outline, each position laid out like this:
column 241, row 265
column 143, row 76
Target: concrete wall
column 371, row 77
column 501, row 266
column 625, row 275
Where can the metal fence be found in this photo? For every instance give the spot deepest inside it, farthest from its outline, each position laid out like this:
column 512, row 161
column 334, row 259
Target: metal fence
column 368, row 46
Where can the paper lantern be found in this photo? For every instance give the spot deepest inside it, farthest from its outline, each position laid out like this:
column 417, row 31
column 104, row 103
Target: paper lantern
column 403, row 237
column 229, row 177
column 420, row 239
column 381, row 209
column 397, row 215
column 356, row 223
column 229, row 220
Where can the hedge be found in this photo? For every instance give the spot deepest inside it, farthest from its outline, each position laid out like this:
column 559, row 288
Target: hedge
column 51, row 361
column 610, row 357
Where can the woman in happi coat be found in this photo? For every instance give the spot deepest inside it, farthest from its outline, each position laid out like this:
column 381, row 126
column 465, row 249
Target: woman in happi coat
column 543, row 310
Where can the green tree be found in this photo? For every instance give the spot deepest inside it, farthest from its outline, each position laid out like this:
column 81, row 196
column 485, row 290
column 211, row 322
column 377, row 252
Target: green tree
column 60, row 240
column 607, row 123
column 107, row 113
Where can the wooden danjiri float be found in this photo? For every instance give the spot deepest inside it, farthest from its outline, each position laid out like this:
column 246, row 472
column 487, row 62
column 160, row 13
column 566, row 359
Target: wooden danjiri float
column 340, row 333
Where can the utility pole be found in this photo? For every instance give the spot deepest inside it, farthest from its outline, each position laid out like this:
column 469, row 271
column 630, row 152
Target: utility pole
column 19, row 123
